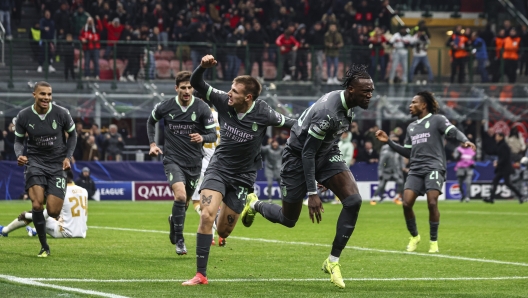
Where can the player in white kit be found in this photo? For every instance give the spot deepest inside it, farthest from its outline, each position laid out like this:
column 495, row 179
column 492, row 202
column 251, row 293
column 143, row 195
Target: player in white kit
column 71, row 222
column 208, row 150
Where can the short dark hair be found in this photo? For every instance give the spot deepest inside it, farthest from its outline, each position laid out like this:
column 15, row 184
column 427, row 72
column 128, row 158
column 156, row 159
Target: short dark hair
column 41, row 83
column 428, row 98
column 69, row 176
column 251, row 85
column 183, row 76
column 355, row 73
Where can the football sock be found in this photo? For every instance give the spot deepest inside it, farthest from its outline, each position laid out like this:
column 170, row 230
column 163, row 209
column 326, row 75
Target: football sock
column 433, row 230
column 15, row 224
column 411, row 226
column 29, row 215
column 273, row 213
column 333, row 259
column 178, row 218
column 203, row 246
column 346, row 223
column 40, row 225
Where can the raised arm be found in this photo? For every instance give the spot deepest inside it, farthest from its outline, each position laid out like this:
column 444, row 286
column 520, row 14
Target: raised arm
column 404, row 151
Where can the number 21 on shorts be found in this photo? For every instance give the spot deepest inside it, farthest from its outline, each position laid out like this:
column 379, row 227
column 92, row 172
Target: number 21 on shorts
column 434, row 175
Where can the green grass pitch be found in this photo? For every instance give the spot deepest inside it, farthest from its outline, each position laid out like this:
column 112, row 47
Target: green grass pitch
column 483, row 253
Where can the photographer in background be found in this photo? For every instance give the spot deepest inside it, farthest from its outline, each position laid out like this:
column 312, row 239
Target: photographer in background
column 86, row 182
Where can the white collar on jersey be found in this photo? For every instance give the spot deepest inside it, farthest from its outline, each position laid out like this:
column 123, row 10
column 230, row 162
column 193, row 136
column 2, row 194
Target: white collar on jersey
column 427, row 116
column 241, row 116
column 184, row 109
column 49, row 110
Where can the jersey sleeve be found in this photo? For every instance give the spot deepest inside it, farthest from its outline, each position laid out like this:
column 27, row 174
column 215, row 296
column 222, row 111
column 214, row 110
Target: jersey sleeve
column 68, row 123
column 158, row 111
column 208, row 120
column 443, row 125
column 321, row 124
column 407, row 143
column 275, row 118
column 20, row 130
column 217, row 97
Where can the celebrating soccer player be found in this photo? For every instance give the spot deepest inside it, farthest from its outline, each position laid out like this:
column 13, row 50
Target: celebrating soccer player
column 48, row 156
column 188, row 124
column 311, row 155
column 71, row 222
column 233, row 168
column 424, row 147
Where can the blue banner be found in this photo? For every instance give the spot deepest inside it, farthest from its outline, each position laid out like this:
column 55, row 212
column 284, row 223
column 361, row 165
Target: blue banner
column 113, row 190
column 12, row 176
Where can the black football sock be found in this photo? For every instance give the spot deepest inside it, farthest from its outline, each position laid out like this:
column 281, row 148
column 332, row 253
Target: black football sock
column 433, row 230
column 411, row 226
column 203, row 246
column 178, row 218
column 40, row 225
column 346, row 223
column 273, row 213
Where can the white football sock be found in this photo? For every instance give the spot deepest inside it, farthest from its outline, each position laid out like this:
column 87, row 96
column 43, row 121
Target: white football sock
column 15, row 224
column 333, row 259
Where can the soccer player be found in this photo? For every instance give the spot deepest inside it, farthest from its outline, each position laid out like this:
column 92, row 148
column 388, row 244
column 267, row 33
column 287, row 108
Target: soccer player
column 71, row 222
column 49, row 152
column 189, row 124
column 233, row 168
column 424, row 147
column 390, row 168
column 311, row 155
column 208, row 150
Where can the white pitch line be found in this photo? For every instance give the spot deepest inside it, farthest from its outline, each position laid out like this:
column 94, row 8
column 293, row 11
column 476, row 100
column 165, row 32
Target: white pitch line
column 284, row 279
column 490, row 213
column 328, row 245
column 33, row 282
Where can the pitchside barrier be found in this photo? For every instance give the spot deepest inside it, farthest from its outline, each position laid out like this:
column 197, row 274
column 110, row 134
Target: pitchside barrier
column 141, row 181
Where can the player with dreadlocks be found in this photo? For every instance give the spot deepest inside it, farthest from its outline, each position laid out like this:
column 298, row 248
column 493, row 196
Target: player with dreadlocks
column 424, row 147
column 312, row 155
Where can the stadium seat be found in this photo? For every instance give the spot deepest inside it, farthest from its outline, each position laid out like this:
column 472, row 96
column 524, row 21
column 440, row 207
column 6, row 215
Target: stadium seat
column 270, row 71
column 167, row 55
column 103, row 64
column 175, row 66
column 120, row 66
column 163, row 69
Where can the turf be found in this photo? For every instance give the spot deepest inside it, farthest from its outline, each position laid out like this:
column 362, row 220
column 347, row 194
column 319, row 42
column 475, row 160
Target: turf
column 267, row 259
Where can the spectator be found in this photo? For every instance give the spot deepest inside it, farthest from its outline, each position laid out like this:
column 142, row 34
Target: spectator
column 316, row 40
column 511, row 55
column 301, row 64
column 364, row 14
column 273, row 31
column 288, row 46
column 385, row 16
column 90, row 38
column 162, row 22
column 113, row 31
column 113, row 144
column 367, row 154
column 9, row 142
column 516, row 142
column 524, row 51
column 47, row 35
column 80, row 18
column 214, row 12
column 283, row 137
column 67, row 54
column 420, row 45
column 360, row 41
column 121, row 13
column 86, row 182
column 499, row 47
column 507, row 26
column 34, row 37
column 90, row 149
column 356, row 134
column 370, row 136
column 400, row 41
column 257, row 40
column 132, row 54
column 99, row 138
column 237, row 53
column 481, row 55
column 503, row 170
column 145, row 17
column 197, row 35
column 377, row 54
column 62, row 20
column 333, row 43
column 149, row 60
column 272, row 155
column 489, row 145
column 6, row 6
column 78, row 152
column 459, row 55
column 346, row 148
column 470, row 129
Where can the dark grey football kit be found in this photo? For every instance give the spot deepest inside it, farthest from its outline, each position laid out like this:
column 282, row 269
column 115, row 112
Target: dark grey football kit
column 424, row 146
column 233, row 167
column 304, row 163
column 182, row 159
column 47, row 147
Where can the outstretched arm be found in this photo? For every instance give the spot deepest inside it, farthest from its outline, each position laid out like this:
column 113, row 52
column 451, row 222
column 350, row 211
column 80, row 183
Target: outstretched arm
column 403, row 151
